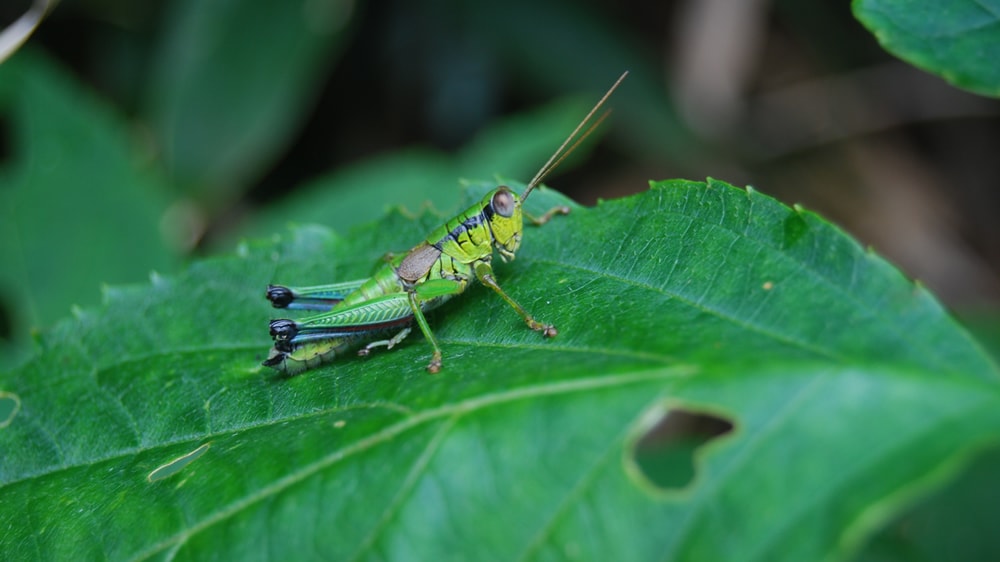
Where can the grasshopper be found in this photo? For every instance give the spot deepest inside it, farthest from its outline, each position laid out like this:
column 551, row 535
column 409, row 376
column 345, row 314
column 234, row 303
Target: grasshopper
column 408, row 285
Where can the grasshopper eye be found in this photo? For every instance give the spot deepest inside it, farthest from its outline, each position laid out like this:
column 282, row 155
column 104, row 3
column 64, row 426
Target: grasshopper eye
column 503, row 202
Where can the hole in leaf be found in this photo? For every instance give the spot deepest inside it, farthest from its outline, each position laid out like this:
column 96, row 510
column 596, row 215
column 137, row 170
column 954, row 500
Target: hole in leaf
column 665, row 454
column 9, row 405
column 173, row 467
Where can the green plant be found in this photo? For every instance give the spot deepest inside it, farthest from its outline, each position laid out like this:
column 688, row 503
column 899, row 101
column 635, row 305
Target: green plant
column 851, row 391
column 145, row 427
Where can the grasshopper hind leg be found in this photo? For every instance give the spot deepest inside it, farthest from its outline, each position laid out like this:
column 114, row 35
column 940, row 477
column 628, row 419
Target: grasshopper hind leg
column 291, row 356
column 319, row 339
column 319, row 298
column 282, row 332
column 280, row 296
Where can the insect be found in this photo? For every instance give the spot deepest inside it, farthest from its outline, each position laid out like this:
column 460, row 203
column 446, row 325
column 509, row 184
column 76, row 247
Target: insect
column 380, row 311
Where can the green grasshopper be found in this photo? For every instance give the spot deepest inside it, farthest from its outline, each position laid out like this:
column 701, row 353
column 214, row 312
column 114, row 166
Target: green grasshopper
column 410, row 284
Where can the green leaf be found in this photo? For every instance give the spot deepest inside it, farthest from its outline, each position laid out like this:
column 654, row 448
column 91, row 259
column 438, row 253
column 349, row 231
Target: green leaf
column 79, row 205
column 957, row 523
column 958, row 40
column 147, row 429
column 585, row 50
column 985, row 325
column 234, row 80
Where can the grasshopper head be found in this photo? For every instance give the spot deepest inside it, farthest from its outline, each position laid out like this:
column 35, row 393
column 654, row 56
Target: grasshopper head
column 502, row 208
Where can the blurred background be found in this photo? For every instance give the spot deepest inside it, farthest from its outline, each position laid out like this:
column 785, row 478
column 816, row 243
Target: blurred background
column 135, row 135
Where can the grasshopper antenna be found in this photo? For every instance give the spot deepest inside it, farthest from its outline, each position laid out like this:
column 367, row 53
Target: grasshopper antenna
column 562, row 152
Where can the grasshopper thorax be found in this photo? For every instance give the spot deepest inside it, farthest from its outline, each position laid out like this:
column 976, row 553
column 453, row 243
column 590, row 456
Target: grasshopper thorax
column 502, row 211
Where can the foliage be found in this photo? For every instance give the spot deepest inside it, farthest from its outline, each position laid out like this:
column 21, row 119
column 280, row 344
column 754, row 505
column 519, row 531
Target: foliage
column 144, row 427
column 954, row 39
column 148, row 429
column 77, row 205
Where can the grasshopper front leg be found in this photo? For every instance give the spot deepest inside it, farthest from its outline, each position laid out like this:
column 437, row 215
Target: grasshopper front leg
column 484, row 272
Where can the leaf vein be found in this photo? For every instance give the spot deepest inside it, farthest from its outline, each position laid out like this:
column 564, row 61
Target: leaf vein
column 718, row 313
column 406, row 489
column 396, row 429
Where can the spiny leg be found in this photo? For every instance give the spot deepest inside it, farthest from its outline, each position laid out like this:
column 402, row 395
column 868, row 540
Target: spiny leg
column 485, row 275
column 432, row 292
column 372, row 316
column 539, row 221
column 301, row 345
column 435, row 365
column 388, row 344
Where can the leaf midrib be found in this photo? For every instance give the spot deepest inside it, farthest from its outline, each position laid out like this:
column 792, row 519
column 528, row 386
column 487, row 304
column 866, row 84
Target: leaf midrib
column 362, row 445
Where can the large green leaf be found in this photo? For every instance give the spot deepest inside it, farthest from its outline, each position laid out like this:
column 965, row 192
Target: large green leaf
column 958, row 523
column 234, row 80
column 79, row 204
column 958, row 40
column 146, row 429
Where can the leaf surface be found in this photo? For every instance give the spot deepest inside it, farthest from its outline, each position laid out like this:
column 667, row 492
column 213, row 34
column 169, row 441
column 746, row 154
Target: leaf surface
column 232, row 82
column 958, row 40
column 74, row 187
column 147, row 429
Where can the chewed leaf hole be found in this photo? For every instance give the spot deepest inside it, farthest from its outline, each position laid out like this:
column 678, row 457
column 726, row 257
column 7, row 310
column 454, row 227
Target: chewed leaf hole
column 665, row 454
column 180, row 463
column 9, row 405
